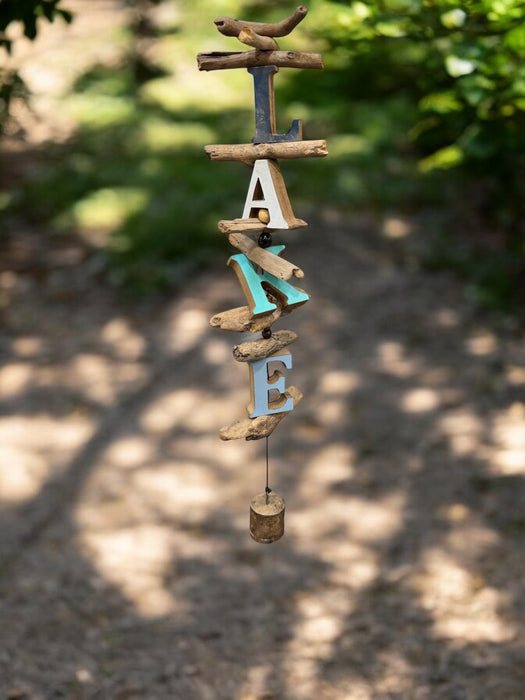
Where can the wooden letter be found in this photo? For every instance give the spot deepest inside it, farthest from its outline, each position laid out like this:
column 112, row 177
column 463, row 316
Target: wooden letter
column 260, row 256
column 254, row 285
column 257, row 428
column 262, row 384
column 268, row 191
column 265, row 108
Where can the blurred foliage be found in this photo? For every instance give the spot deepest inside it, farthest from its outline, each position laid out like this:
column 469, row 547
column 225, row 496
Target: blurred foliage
column 422, row 103
column 459, row 70
column 28, row 12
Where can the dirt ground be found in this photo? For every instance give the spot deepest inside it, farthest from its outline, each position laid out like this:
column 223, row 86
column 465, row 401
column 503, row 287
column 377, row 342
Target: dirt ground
column 127, row 569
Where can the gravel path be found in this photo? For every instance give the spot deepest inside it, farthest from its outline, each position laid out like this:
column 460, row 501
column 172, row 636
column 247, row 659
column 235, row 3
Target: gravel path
column 127, row 567
column 127, row 570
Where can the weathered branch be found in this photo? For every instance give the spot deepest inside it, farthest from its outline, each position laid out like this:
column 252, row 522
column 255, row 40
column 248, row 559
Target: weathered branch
column 232, row 27
column 250, row 152
column 262, row 426
column 241, row 226
column 274, row 264
column 254, row 350
column 220, row 60
column 241, row 318
column 264, row 43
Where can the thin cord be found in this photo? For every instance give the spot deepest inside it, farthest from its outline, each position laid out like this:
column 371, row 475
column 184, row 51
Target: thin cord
column 268, row 489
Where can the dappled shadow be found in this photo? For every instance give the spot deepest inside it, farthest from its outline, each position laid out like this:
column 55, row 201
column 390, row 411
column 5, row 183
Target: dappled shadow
column 128, row 568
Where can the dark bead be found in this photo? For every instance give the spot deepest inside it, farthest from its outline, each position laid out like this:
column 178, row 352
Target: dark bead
column 267, row 333
column 265, row 239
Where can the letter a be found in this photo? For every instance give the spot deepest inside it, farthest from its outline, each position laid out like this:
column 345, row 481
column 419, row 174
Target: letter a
column 254, row 285
column 268, row 191
column 261, row 385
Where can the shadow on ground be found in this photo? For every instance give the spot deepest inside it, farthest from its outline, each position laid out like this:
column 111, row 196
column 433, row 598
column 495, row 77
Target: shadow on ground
column 127, row 568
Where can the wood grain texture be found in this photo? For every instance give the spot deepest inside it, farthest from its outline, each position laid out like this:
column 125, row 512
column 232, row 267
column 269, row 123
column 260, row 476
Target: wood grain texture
column 253, row 350
column 260, row 427
column 241, row 226
column 241, row 318
column 250, row 152
column 232, row 27
column 224, row 60
column 252, row 225
column 258, row 287
column 274, row 264
column 250, row 38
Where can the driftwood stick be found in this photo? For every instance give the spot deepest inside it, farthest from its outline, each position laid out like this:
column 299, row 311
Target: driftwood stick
column 232, row 27
column 241, row 226
column 254, row 350
column 241, row 319
column 230, row 226
column 250, row 38
column 274, row 264
column 222, row 60
column 250, row 152
column 262, row 426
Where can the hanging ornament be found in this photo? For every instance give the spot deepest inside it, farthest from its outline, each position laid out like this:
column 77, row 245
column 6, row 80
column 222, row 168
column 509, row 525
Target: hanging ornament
column 267, row 279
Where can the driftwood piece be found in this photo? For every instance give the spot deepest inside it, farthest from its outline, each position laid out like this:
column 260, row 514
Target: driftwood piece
column 249, row 152
column 258, row 41
column 274, row 264
column 224, row 60
column 241, row 318
column 264, row 292
column 251, row 225
column 232, row 27
column 260, row 427
column 241, row 226
column 254, row 350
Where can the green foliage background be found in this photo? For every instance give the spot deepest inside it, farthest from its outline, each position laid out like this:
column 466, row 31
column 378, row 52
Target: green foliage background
column 422, row 103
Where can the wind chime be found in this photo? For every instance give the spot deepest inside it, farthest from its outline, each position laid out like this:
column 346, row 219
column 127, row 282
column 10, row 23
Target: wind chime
column 265, row 277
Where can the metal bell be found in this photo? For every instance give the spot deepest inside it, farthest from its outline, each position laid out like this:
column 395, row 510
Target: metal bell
column 267, row 517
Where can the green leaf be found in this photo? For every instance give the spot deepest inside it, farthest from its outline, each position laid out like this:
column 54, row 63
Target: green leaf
column 456, row 66
column 443, row 159
column 440, row 102
column 515, row 39
column 453, row 18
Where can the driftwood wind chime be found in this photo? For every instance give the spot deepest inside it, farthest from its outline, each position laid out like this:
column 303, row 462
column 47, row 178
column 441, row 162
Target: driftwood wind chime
column 263, row 274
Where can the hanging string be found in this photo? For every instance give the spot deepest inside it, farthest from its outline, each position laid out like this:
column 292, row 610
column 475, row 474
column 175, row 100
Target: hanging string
column 267, row 489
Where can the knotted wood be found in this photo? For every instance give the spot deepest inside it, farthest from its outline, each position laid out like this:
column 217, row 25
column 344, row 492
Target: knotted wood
column 274, row 264
column 224, row 60
column 250, row 38
column 241, row 226
column 254, row 350
column 248, row 226
column 232, row 27
column 249, row 152
column 260, row 427
column 241, row 319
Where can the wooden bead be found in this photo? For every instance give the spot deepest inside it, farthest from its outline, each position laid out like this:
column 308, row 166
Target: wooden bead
column 263, row 215
column 267, row 517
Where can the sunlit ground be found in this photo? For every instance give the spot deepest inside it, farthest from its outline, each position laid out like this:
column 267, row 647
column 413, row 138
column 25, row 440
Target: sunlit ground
column 402, row 470
column 128, row 568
